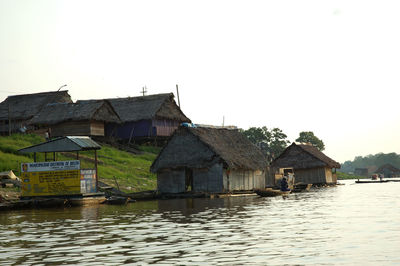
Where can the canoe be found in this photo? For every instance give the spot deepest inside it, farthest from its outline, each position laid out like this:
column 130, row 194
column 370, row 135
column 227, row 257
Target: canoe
column 115, row 200
column 271, row 192
column 371, row 181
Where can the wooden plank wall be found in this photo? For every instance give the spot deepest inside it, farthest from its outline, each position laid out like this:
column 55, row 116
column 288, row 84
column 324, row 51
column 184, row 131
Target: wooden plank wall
column 208, row 180
column 311, row 176
column 165, row 127
column 78, row 128
column 244, row 180
column 171, row 181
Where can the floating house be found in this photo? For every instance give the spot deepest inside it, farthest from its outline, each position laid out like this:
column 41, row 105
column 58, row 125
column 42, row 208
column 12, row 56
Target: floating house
column 145, row 117
column 215, row 160
column 17, row 110
column 310, row 166
column 388, row 170
column 83, row 118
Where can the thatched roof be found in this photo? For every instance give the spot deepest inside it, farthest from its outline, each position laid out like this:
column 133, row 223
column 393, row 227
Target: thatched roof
column 25, row 106
column 148, row 107
column 99, row 110
column 302, row 156
column 225, row 145
column 388, row 167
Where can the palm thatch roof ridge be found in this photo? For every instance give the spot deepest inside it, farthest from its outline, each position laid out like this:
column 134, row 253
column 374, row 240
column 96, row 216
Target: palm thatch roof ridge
column 319, row 155
column 25, row 106
column 297, row 162
column 148, row 107
column 97, row 110
column 234, row 149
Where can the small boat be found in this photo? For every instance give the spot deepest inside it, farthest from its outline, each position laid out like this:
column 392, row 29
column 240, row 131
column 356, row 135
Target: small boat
column 268, row 192
column 371, row 181
column 299, row 187
column 116, row 200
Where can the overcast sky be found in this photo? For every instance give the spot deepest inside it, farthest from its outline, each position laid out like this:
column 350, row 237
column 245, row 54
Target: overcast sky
column 331, row 67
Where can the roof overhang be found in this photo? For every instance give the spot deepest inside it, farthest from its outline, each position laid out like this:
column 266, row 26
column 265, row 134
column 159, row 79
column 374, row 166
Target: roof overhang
column 64, row 144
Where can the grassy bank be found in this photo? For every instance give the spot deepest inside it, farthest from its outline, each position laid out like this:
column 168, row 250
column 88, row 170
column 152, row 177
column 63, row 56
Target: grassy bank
column 131, row 171
column 343, row 176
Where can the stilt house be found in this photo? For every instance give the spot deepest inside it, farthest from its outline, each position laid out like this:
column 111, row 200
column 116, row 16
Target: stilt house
column 145, row 117
column 388, row 170
column 209, row 160
column 17, row 110
column 310, row 165
column 83, row 118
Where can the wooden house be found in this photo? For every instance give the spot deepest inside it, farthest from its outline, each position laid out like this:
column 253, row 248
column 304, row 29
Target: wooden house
column 310, row 166
column 83, row 118
column 17, row 110
column 145, row 117
column 209, row 160
column 388, row 170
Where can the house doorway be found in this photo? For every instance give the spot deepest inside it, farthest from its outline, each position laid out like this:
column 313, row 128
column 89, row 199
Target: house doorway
column 188, row 179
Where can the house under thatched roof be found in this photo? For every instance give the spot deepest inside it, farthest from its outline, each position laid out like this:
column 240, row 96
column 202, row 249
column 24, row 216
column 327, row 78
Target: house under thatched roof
column 146, row 117
column 19, row 109
column 388, row 170
column 228, row 146
column 209, row 159
column 83, row 118
column 148, row 107
column 310, row 165
column 25, row 106
column 302, row 156
column 99, row 110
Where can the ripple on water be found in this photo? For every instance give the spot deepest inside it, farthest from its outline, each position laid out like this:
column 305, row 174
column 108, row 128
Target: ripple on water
column 351, row 224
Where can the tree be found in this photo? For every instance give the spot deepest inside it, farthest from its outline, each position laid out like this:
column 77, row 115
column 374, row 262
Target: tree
column 272, row 142
column 309, row 137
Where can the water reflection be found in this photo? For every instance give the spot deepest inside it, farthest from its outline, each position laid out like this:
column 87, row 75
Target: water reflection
column 343, row 225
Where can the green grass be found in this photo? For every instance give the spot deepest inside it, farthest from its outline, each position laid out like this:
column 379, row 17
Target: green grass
column 343, row 176
column 132, row 172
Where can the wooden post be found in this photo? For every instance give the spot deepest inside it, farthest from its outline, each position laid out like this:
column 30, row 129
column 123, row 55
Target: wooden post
column 54, row 156
column 34, row 157
column 45, row 156
column 177, row 94
column 77, row 155
column 95, row 167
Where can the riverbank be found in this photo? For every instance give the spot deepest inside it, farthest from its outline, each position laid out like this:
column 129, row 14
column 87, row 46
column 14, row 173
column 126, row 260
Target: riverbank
column 128, row 171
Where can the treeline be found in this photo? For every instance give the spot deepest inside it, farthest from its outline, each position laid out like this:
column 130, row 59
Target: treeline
column 372, row 162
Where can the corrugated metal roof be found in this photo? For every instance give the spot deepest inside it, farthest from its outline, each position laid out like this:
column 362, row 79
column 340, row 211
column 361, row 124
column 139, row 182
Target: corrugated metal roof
column 64, row 144
column 85, row 142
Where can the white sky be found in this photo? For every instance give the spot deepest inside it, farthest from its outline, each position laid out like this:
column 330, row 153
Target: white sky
column 331, row 67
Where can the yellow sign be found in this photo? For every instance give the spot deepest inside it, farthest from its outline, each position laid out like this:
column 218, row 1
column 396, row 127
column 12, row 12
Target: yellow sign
column 50, row 178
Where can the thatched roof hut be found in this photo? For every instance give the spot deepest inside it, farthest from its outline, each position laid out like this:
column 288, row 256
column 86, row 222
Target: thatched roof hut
column 209, row 160
column 55, row 113
column 388, row 170
column 148, row 107
column 310, row 165
column 146, row 118
column 25, row 106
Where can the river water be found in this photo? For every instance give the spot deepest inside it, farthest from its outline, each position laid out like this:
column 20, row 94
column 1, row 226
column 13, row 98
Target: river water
column 352, row 224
